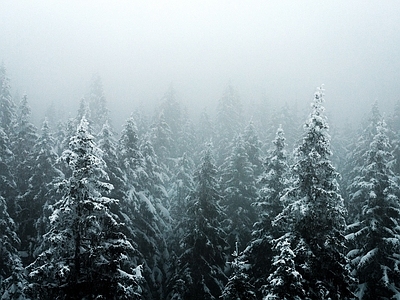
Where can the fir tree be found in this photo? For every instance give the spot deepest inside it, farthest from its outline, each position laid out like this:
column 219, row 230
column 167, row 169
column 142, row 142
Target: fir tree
column 285, row 283
column 7, row 105
column 355, row 160
column 252, row 145
column 199, row 273
column 374, row 237
column 239, row 192
column 84, row 254
column 23, row 140
column 274, row 183
column 143, row 210
column 98, row 105
column 108, row 145
column 12, row 278
column 229, row 121
column 315, row 214
column 238, row 286
column 40, row 190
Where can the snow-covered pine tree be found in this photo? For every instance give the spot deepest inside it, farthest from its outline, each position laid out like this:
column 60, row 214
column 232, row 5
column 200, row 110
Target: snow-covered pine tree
column 274, row 183
column 374, row 237
column 143, row 211
column 285, row 283
column 98, row 105
column 155, row 219
column 108, row 144
column 40, row 190
column 23, row 139
column 394, row 125
column 286, row 115
column 238, row 286
column 205, row 132
column 12, row 276
column 180, row 186
column 162, row 141
column 356, row 159
column 199, row 272
column 84, row 255
column 229, row 122
column 315, row 215
column 172, row 111
column 253, row 146
column 239, row 192
column 7, row 105
column 8, row 187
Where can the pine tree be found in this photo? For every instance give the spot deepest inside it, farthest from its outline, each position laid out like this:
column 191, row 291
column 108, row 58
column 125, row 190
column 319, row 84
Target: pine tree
column 12, row 278
column 23, row 139
column 98, row 104
column 315, row 214
column 238, row 286
column 199, row 273
column 288, row 117
column 162, row 141
column 8, row 187
column 84, row 254
column 172, row 111
column 374, row 237
column 356, row 157
column 285, row 283
column 40, row 190
column 7, row 105
column 108, row 145
column 143, row 210
column 394, row 125
column 253, row 148
column 229, row 121
column 274, row 183
column 239, row 192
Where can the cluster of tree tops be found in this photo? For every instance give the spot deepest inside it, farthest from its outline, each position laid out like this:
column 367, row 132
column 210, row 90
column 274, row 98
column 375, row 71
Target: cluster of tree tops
column 170, row 210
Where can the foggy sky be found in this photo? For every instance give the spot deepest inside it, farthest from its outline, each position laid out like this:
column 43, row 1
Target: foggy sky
column 284, row 49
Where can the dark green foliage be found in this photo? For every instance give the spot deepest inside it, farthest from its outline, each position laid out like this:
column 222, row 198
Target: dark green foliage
column 374, row 237
column 238, row 286
column 12, row 276
column 199, row 271
column 239, row 192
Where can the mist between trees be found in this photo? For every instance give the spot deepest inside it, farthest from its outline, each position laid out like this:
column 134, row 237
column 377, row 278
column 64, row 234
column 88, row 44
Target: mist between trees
column 272, row 205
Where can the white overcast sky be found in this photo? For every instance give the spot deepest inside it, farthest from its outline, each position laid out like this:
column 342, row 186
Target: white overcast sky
column 281, row 48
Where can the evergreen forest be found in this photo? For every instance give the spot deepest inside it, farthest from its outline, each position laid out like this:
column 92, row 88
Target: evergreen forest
column 270, row 204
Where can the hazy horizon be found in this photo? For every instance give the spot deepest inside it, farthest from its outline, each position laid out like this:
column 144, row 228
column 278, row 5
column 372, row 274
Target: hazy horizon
column 280, row 49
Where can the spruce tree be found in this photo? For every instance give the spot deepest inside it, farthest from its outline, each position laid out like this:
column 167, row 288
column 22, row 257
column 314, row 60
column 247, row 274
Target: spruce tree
column 98, row 105
column 238, row 286
column 285, row 283
column 239, row 192
column 374, row 236
column 229, row 122
column 199, row 272
column 315, row 214
column 274, row 183
column 109, row 146
column 356, row 158
column 143, row 210
column 40, row 191
column 84, row 255
column 12, row 276
column 253, row 145
column 7, row 105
